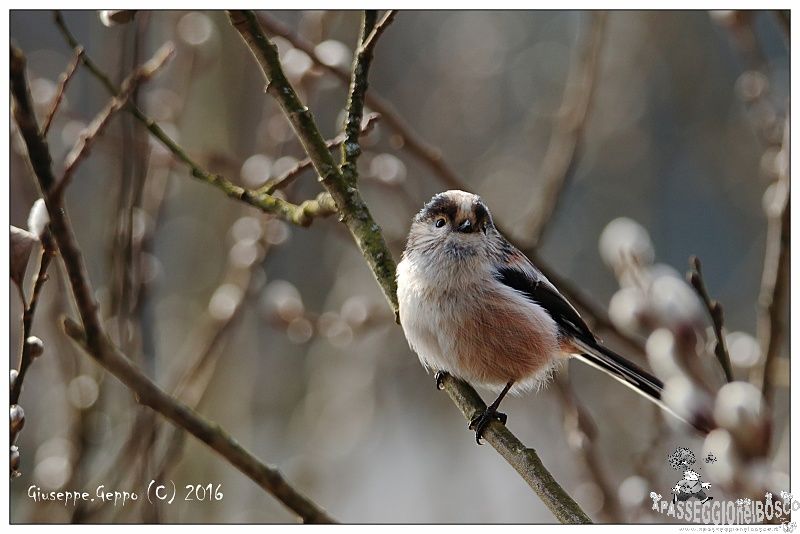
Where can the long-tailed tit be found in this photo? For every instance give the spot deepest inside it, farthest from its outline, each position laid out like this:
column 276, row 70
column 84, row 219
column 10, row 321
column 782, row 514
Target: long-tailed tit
column 474, row 306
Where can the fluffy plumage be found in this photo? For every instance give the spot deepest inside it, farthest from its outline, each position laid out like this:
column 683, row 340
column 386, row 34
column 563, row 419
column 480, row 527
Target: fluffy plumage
column 474, row 306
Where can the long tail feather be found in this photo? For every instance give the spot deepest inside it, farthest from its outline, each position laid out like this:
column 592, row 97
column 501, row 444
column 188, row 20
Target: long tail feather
column 629, row 374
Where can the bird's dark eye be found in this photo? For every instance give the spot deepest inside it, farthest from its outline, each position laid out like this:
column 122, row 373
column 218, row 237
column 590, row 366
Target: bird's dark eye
column 440, row 222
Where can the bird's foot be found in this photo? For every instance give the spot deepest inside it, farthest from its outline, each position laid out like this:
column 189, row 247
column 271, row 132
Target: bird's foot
column 480, row 421
column 439, row 376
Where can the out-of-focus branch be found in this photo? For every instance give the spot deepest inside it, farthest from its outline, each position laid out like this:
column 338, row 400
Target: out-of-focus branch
column 352, row 208
column 354, row 213
column 302, row 214
column 562, row 153
column 775, row 276
column 63, row 80
column 581, row 431
column 715, row 312
column 95, row 129
column 93, row 339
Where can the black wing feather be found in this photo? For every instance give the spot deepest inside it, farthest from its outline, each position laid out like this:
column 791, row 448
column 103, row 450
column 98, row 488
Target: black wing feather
column 543, row 294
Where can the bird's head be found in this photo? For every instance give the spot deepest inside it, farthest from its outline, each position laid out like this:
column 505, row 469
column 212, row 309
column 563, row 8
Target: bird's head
column 454, row 224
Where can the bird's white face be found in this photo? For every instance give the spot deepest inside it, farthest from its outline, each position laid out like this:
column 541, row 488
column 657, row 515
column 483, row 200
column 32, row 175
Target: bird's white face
column 453, row 225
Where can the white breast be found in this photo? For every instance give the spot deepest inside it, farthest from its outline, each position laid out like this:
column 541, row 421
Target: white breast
column 448, row 323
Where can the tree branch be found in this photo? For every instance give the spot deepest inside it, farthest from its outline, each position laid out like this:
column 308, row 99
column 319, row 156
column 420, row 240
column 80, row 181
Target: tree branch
column 290, row 175
column 302, row 215
column 523, row 459
column 561, row 157
column 28, row 350
column 775, row 277
column 92, row 338
column 95, row 129
column 351, row 149
column 63, row 80
column 355, row 215
column 715, row 312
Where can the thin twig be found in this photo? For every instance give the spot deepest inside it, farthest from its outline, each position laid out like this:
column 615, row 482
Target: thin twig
column 25, row 357
column 775, row 277
column 369, row 41
column 351, row 148
column 63, row 80
column 561, row 157
column 288, row 177
column 302, row 214
column 714, row 308
column 95, row 129
column 356, row 216
column 93, row 339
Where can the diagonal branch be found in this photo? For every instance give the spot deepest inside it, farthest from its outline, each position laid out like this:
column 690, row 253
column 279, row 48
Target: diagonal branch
column 96, row 128
column 355, row 215
column 715, row 312
column 302, row 214
column 279, row 182
column 775, row 276
column 93, row 339
column 562, row 153
column 63, row 81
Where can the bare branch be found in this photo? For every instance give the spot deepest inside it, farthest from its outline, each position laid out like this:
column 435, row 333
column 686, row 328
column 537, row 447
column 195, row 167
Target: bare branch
column 715, row 312
column 581, row 430
column 28, row 350
column 775, row 276
column 63, row 80
column 351, row 149
column 561, row 156
column 523, row 459
column 368, row 42
column 290, row 175
column 302, row 215
column 93, row 339
column 98, row 125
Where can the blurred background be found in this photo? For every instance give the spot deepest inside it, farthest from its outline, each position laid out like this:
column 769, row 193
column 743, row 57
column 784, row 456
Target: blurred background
column 281, row 334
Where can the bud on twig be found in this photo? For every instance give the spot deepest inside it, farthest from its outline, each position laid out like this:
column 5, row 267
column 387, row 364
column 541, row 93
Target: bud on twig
column 35, row 346
column 16, row 418
column 13, row 461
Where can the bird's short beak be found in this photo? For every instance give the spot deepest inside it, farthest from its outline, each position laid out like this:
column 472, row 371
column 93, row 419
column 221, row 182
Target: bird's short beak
column 465, row 226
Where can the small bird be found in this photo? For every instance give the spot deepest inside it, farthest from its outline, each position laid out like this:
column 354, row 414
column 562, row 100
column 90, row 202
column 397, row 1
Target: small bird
column 472, row 305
